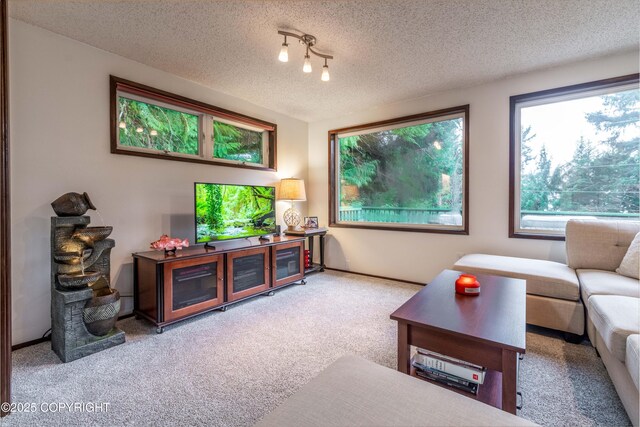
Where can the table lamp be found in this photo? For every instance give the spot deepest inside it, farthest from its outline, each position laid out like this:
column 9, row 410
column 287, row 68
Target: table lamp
column 292, row 189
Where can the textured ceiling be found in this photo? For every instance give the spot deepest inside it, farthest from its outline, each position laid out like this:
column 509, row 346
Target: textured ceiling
column 385, row 51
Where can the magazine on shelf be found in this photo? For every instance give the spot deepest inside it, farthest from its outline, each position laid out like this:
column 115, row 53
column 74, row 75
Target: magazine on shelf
column 442, row 375
column 443, row 357
column 471, row 388
column 451, row 366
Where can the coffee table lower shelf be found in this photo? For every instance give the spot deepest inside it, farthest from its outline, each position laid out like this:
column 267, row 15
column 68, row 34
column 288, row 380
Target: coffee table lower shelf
column 490, row 392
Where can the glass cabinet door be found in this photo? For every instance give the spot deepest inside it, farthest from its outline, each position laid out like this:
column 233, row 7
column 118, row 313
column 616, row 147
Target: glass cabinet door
column 248, row 272
column 192, row 285
column 287, row 263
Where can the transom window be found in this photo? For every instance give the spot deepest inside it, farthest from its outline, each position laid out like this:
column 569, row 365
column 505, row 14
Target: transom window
column 574, row 154
column 404, row 174
column 154, row 123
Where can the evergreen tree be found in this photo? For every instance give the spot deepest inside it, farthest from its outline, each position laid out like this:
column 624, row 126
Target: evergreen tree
column 579, row 192
column 616, row 167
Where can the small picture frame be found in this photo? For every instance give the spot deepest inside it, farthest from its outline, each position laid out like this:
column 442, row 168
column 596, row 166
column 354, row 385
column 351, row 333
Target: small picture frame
column 310, row 222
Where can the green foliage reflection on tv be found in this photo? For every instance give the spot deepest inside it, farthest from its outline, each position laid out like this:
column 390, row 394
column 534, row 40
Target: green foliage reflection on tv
column 225, row 211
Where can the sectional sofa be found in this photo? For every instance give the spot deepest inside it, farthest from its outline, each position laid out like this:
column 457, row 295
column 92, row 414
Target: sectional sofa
column 587, row 293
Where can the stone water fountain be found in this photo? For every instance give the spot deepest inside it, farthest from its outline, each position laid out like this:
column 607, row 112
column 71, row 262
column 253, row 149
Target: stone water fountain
column 84, row 307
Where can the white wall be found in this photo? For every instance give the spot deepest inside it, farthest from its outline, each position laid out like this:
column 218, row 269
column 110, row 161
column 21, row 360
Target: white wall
column 59, row 128
column 420, row 256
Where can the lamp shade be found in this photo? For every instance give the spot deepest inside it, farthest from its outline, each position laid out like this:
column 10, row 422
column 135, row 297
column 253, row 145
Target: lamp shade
column 292, row 189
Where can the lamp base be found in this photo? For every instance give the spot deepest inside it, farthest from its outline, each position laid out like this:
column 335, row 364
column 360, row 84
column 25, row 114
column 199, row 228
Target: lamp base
column 292, row 218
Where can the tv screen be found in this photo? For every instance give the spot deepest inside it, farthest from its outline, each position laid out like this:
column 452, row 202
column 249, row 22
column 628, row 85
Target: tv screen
column 225, row 211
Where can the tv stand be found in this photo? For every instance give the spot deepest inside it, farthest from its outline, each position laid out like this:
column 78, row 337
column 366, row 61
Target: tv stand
column 198, row 279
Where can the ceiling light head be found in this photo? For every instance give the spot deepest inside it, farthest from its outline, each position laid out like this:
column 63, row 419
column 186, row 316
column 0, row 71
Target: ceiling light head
column 284, row 51
column 122, row 125
column 153, row 132
column 139, row 130
column 437, row 145
column 307, row 64
column 325, row 72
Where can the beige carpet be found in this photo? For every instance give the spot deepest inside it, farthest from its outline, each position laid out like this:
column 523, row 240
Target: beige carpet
column 229, row 369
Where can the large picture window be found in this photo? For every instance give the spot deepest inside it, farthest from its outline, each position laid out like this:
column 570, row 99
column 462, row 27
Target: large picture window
column 574, row 154
column 153, row 123
column 407, row 174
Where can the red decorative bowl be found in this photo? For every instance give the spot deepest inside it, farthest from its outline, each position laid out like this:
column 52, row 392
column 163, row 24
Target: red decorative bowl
column 467, row 285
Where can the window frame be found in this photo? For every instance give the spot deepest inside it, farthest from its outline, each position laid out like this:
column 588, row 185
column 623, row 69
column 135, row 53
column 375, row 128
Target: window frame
column 431, row 116
column 516, row 102
column 206, row 113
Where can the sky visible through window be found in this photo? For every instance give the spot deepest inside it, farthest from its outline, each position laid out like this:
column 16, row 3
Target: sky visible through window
column 560, row 125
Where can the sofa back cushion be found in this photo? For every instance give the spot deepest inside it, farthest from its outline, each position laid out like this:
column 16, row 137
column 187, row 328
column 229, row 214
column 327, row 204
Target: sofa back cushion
column 598, row 244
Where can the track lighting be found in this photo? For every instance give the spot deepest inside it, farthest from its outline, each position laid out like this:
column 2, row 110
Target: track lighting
column 309, row 41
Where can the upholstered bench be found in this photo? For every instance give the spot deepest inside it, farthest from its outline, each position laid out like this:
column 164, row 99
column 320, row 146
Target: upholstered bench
column 356, row 392
column 553, row 290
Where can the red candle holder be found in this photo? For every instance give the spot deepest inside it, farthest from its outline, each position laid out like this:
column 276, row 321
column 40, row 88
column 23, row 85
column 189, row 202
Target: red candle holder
column 467, row 284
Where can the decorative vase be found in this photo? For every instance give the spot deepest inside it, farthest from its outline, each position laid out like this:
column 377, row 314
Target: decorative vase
column 72, row 204
column 101, row 312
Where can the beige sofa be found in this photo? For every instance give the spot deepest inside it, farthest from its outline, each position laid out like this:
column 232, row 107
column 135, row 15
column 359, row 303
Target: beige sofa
column 559, row 295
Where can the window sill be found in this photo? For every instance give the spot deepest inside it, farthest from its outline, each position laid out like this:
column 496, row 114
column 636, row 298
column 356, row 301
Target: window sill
column 183, row 158
column 521, row 235
column 409, row 228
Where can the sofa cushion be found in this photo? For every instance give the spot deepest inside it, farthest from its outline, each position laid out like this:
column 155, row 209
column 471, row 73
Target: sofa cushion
column 631, row 262
column 597, row 244
column 356, row 392
column 601, row 282
column 633, row 358
column 544, row 278
column 615, row 318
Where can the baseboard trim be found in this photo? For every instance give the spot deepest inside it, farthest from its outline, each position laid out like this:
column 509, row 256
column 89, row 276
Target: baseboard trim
column 30, row 343
column 376, row 276
column 48, row 338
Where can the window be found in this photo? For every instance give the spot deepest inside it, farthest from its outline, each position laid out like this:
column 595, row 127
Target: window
column 574, row 154
column 152, row 127
column 152, row 123
column 407, row 174
column 236, row 143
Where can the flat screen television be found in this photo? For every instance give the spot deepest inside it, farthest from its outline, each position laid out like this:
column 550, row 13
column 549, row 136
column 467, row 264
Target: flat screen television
column 225, row 211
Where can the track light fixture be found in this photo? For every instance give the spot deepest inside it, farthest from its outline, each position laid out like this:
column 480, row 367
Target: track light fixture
column 309, row 41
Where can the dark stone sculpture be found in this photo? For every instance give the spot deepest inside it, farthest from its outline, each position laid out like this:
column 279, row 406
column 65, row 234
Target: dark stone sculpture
column 84, row 308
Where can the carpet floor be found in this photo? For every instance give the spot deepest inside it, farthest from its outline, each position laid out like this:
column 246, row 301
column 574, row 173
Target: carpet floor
column 231, row 368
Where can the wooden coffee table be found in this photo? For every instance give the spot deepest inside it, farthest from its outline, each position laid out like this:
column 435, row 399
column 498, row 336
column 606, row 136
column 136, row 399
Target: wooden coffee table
column 488, row 330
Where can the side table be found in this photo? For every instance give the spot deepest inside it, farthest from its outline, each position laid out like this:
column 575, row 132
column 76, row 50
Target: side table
column 310, row 233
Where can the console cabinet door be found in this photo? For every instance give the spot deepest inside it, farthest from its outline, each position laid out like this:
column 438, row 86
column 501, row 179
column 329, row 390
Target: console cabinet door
column 287, row 263
column 248, row 273
column 193, row 285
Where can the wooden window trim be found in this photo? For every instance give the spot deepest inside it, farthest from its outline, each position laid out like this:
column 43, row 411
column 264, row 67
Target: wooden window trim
column 540, row 95
column 333, row 202
column 118, row 84
column 5, row 217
